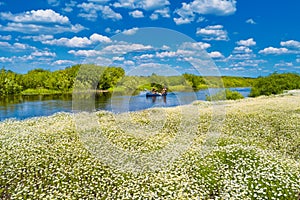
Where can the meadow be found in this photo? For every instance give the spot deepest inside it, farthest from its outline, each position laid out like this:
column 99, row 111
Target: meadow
column 243, row 149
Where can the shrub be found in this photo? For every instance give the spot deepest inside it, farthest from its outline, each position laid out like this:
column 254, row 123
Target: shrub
column 227, row 95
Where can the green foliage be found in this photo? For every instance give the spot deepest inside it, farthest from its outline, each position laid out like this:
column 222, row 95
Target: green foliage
column 275, row 84
column 110, row 77
column 225, row 95
column 231, row 81
column 195, row 81
column 9, row 82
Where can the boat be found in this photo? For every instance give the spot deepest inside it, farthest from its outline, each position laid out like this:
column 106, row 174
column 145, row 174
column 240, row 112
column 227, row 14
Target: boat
column 149, row 94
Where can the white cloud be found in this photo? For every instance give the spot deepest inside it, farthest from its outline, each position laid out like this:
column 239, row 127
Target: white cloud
column 143, row 4
column 38, row 21
column 125, row 48
column 165, row 54
column 63, row 62
column 241, row 56
column 215, row 32
column 47, row 16
column 247, row 63
column 144, row 56
column 186, row 14
column 181, row 20
column 99, row 1
column 69, row 6
column 73, row 42
column 284, row 64
column 290, row 43
column 128, row 62
column 165, row 12
column 16, row 47
column 154, row 16
column 117, row 58
column 273, row 50
column 5, row 59
column 250, row 21
column 85, row 53
column 195, row 45
column 111, row 50
column 43, row 53
column 90, row 11
column 242, row 49
column 99, row 38
column 53, row 2
column 248, row 43
column 39, row 37
column 298, row 60
column 216, row 7
column 41, row 29
column 5, row 37
column 216, row 54
column 108, row 13
column 131, row 31
column 137, row 14
column 78, row 41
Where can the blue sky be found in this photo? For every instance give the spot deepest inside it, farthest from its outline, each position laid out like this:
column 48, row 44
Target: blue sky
column 242, row 38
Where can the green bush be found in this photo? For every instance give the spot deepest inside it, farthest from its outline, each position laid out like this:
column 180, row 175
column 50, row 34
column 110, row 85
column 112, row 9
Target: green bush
column 275, row 84
column 225, row 95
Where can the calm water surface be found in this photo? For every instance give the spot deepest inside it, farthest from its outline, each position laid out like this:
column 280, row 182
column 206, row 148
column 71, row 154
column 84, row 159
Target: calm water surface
column 22, row 107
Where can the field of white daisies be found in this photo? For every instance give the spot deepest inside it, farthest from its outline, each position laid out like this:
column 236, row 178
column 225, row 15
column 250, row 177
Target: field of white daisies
column 253, row 152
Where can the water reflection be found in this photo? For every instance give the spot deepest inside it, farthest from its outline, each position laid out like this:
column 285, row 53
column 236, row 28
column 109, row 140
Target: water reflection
column 22, row 107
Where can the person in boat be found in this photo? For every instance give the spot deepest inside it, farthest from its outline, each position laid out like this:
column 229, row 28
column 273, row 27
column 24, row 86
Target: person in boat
column 164, row 91
column 153, row 91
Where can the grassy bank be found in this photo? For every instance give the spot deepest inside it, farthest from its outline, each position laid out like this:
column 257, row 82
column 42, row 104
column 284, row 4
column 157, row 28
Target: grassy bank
column 256, row 155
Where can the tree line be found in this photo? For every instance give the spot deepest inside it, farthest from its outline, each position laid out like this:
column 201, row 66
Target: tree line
column 41, row 81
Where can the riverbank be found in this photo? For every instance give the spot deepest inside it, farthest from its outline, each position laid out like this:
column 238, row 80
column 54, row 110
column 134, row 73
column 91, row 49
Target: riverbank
column 255, row 155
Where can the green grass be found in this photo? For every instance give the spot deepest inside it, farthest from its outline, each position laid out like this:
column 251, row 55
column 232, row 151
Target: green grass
column 41, row 91
column 256, row 155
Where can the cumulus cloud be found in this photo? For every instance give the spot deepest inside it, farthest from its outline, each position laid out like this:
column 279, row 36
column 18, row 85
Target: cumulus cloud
column 90, row 11
column 165, row 12
column 215, row 54
column 41, row 29
column 242, row 49
column 195, row 45
column 78, row 41
column 284, row 64
column 112, row 49
column 290, row 43
column 38, row 21
column 143, row 4
column 5, row 37
column 250, row 21
column 136, row 14
column 5, row 59
column 248, row 43
column 85, row 53
column 15, row 47
column 131, row 31
column 273, row 50
column 48, row 16
column 63, row 62
column 188, row 11
column 215, row 32
column 43, row 53
column 186, row 14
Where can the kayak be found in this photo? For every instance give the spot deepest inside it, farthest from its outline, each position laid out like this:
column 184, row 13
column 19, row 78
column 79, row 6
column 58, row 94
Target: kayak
column 149, row 94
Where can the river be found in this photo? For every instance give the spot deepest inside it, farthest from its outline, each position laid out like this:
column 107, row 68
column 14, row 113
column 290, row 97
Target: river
column 23, row 107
